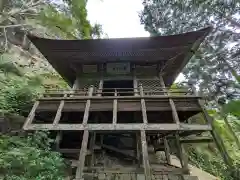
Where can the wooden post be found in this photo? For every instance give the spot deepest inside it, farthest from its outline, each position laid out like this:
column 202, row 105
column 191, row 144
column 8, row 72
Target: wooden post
column 143, row 105
column 183, row 157
column 58, row 140
column 87, row 107
column 59, row 112
column 173, row 107
column 92, row 145
column 167, row 150
column 217, row 139
column 81, row 160
column 115, row 108
column 100, row 87
column 31, row 115
column 147, row 171
column 135, row 85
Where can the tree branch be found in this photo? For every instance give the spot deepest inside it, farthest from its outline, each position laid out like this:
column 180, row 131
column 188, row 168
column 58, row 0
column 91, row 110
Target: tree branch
column 12, row 26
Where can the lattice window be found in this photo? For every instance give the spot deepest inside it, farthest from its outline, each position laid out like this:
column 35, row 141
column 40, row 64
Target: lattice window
column 151, row 85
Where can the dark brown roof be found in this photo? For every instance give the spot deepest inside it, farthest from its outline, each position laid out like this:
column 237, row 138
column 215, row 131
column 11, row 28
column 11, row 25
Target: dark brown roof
column 175, row 51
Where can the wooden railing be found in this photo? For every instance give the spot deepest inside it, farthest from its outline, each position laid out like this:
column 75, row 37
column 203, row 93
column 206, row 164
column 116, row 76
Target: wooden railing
column 120, row 92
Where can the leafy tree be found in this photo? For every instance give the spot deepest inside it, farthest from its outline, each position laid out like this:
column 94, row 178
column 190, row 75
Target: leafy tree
column 214, row 67
column 68, row 20
column 27, row 158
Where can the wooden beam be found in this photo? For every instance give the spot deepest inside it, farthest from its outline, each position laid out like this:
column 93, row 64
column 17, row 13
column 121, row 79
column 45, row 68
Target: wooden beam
column 155, row 97
column 138, row 149
column 173, row 107
column 31, row 116
column 100, row 87
column 181, row 155
column 217, row 139
column 157, row 169
column 167, row 150
column 174, row 112
column 92, row 145
column 196, row 140
column 83, row 151
column 146, row 165
column 87, row 107
column 58, row 140
column 115, row 108
column 143, row 105
column 123, row 105
column 122, row 127
column 59, row 113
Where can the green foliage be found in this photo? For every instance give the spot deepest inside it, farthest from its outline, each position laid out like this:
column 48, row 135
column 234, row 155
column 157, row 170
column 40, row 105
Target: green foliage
column 69, row 20
column 28, row 158
column 233, row 108
column 214, row 68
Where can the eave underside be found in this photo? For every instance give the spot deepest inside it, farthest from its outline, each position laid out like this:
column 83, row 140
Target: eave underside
column 170, row 53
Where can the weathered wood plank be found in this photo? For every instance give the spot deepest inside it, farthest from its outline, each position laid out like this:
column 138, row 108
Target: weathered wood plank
column 123, row 170
column 143, row 106
column 58, row 140
column 167, row 150
column 83, row 151
column 122, row 127
column 59, row 113
column 87, row 107
column 174, row 112
column 146, row 165
column 182, row 156
column 92, row 145
column 119, row 97
column 100, row 87
column 196, row 140
column 106, row 105
column 115, row 106
column 31, row 116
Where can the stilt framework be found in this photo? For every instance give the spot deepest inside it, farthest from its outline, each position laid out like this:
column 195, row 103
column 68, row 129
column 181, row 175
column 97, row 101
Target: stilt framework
column 147, row 134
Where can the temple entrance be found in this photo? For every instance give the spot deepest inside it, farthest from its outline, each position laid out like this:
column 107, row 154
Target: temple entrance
column 123, row 87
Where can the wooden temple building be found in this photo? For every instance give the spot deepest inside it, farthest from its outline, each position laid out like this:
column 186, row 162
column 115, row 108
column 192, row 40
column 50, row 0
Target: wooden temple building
column 121, row 119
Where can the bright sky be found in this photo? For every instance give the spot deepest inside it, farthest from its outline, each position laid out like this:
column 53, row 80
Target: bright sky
column 119, row 18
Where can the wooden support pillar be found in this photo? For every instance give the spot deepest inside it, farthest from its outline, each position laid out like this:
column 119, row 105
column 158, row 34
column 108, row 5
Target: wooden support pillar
column 31, row 115
column 138, row 149
column 174, row 111
column 167, row 150
column 87, row 107
column 146, row 165
column 59, row 112
column 81, row 160
column 217, row 139
column 143, row 105
column 115, row 108
column 182, row 156
column 58, row 140
column 92, row 145
column 135, row 84
column 100, row 87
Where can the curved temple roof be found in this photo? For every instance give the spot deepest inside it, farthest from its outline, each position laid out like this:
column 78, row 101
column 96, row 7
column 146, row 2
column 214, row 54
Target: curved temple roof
column 172, row 52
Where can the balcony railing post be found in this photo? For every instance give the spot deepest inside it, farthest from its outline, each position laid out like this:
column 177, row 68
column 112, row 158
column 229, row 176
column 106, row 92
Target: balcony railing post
column 115, row 108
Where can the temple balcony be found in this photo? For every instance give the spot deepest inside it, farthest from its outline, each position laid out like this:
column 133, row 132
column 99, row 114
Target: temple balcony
column 117, row 109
